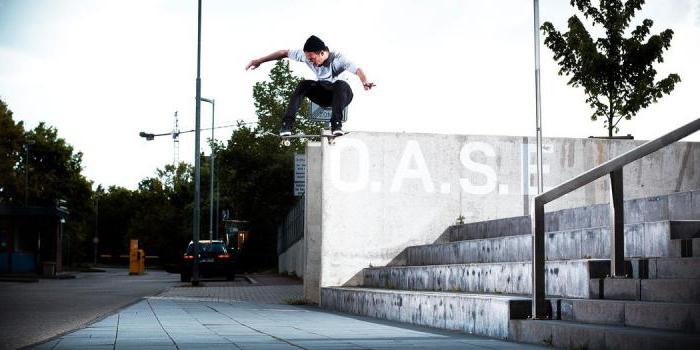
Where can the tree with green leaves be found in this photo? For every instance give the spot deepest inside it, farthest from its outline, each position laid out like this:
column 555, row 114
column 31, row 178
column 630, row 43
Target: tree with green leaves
column 616, row 71
column 256, row 173
column 12, row 143
column 271, row 98
column 37, row 167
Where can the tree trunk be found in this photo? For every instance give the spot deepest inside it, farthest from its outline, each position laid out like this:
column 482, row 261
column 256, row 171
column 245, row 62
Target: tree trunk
column 611, row 117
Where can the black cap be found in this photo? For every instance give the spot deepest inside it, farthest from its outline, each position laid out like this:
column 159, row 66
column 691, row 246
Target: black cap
column 314, row 44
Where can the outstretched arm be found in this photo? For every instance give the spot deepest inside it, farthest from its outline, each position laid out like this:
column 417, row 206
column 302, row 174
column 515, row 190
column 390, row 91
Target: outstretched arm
column 366, row 84
column 273, row 56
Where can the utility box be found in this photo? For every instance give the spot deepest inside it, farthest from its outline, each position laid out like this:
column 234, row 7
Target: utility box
column 135, row 257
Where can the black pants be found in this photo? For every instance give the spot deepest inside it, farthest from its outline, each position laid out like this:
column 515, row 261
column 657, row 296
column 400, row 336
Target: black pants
column 336, row 95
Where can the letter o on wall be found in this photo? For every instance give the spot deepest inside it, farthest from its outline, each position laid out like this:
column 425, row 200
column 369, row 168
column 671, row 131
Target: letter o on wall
column 339, row 160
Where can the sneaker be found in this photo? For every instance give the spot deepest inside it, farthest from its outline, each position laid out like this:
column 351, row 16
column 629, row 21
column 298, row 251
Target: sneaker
column 338, row 132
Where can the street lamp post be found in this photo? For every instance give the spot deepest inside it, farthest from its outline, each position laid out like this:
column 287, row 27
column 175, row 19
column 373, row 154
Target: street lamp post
column 538, row 287
column 211, row 162
column 195, row 215
column 538, row 103
column 96, row 240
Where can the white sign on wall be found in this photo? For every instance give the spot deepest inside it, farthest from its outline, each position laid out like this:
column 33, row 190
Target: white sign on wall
column 299, row 174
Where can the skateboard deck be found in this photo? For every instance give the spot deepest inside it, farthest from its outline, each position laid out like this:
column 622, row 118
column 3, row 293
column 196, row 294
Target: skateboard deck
column 331, row 138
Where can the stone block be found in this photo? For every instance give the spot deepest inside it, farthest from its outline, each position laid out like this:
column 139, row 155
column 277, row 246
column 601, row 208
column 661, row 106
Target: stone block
column 680, row 206
column 634, row 211
column 695, row 202
column 600, row 215
column 644, row 339
column 655, row 208
column 671, row 290
column 476, row 314
column 568, row 278
column 595, row 243
column 667, row 316
column 577, row 336
column 657, row 242
column 563, row 245
column 621, row 289
column 531, row 331
column 674, row 268
column 599, row 312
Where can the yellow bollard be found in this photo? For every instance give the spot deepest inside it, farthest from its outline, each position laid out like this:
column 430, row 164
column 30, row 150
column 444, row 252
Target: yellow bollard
column 134, row 257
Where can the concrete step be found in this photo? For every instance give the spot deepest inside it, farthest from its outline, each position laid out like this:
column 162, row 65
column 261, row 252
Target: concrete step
column 570, row 278
column 648, row 239
column 672, row 268
column 487, row 315
column 679, row 317
column 675, row 206
column 664, row 290
column 574, row 335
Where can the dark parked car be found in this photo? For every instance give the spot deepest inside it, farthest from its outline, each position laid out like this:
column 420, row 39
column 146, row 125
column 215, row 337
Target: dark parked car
column 214, row 260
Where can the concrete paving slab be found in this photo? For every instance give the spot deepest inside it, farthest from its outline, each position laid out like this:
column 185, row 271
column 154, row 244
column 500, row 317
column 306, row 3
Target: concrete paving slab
column 144, row 347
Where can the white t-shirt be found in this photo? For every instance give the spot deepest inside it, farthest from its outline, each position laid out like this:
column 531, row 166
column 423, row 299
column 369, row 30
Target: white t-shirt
column 330, row 69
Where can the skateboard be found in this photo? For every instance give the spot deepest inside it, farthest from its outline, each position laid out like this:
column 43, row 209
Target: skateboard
column 286, row 140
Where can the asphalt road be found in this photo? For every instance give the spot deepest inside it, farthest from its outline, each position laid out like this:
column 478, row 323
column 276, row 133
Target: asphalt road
column 33, row 312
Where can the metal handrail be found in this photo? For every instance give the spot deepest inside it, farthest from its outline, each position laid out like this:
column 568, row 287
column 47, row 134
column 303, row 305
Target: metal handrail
column 613, row 168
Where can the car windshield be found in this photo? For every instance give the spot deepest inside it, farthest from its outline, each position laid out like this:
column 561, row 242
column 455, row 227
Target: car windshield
column 208, row 248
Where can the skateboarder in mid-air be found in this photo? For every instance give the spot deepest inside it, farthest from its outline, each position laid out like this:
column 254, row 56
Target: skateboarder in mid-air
column 327, row 90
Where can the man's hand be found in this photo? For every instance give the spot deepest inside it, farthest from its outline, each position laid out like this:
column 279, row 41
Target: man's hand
column 252, row 64
column 368, row 85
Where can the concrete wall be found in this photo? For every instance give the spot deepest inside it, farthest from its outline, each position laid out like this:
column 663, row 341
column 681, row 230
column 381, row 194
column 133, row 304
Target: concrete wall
column 292, row 260
column 312, row 223
column 383, row 192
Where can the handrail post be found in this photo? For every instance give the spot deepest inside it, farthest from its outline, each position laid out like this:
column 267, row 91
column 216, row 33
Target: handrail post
column 617, row 225
column 539, row 309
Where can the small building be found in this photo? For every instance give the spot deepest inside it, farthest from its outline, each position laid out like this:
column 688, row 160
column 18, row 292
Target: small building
column 31, row 239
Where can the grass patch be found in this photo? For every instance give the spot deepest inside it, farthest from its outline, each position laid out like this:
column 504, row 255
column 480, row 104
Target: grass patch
column 298, row 301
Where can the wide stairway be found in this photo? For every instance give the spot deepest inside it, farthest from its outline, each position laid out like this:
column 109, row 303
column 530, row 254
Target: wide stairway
column 477, row 279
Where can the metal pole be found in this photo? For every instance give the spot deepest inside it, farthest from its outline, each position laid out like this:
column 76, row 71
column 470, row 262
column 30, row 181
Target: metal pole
column 26, row 172
column 539, row 310
column 97, row 222
column 26, row 176
column 216, row 219
column 195, row 216
column 617, row 225
column 538, row 282
column 538, row 104
column 211, row 187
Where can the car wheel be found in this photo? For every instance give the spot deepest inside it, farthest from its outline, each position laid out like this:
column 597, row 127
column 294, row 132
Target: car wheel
column 184, row 277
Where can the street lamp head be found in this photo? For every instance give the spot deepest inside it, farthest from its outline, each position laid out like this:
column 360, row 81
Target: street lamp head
column 149, row 137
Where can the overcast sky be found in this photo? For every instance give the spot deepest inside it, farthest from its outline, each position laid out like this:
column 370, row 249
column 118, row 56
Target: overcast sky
column 100, row 71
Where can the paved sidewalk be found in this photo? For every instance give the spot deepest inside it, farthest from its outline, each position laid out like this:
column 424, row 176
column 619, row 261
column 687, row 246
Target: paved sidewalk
column 200, row 318
column 265, row 290
column 33, row 312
